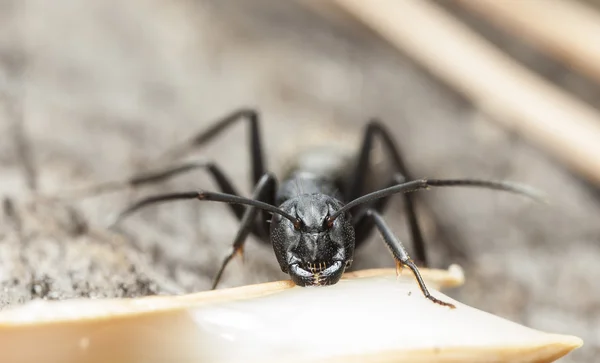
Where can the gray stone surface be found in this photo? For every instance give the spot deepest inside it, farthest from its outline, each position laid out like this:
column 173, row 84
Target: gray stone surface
column 95, row 90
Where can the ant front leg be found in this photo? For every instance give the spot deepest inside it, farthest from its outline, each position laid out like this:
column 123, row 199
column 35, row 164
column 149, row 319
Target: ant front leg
column 375, row 128
column 264, row 195
column 263, row 198
column 264, row 192
column 400, row 254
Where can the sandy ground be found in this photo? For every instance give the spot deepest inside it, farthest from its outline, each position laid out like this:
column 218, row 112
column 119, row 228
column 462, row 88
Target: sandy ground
column 95, row 90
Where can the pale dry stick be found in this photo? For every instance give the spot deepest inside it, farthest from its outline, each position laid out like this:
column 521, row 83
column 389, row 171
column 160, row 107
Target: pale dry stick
column 252, row 324
column 568, row 30
column 496, row 84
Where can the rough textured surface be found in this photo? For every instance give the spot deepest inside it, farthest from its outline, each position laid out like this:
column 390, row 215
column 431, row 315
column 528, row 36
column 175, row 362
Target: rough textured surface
column 96, row 90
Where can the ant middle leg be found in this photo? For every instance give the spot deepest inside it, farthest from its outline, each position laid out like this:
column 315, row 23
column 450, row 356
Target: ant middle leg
column 223, row 182
column 357, row 184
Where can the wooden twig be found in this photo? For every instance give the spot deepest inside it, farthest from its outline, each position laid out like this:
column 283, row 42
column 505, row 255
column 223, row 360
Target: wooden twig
column 567, row 30
column 512, row 95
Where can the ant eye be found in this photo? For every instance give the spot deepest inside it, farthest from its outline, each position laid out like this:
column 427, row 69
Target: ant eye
column 297, row 224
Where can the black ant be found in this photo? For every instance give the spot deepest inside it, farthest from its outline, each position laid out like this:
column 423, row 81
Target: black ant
column 313, row 232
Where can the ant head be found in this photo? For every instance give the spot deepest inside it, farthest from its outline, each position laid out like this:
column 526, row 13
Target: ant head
column 313, row 249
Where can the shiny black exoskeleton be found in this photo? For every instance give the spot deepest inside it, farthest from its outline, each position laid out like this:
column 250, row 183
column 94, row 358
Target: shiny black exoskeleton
column 313, row 250
column 316, row 218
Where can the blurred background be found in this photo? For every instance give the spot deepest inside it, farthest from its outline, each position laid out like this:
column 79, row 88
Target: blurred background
column 93, row 91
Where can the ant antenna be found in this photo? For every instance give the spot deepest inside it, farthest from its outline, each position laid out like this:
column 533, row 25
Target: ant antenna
column 415, row 185
column 203, row 195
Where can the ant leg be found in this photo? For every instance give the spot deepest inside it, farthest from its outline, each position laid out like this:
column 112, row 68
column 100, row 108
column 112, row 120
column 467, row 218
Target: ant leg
column 263, row 196
column 400, row 254
column 223, row 182
column 364, row 226
column 375, row 128
column 203, row 196
column 264, row 192
column 256, row 151
column 202, row 138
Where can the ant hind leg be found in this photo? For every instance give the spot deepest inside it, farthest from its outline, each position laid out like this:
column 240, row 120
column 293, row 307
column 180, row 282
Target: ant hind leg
column 198, row 140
